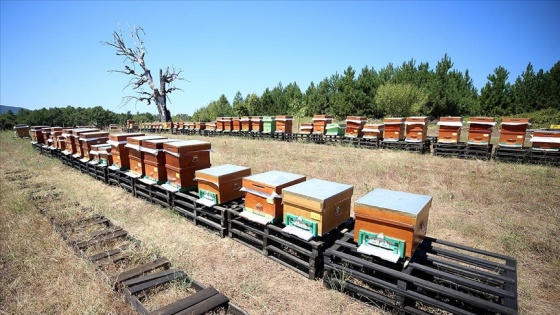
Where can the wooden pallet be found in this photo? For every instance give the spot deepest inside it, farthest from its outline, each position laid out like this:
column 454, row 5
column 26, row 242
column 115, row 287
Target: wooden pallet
column 479, row 152
column 543, row 157
column 304, row 257
column 450, row 149
column 441, row 277
column 365, row 143
column 153, row 193
column 119, row 178
column 212, row 218
column 505, row 154
column 420, row 147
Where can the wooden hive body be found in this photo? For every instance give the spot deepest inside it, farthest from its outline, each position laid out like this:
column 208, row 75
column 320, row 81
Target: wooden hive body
column 256, row 123
column 188, row 153
column 102, row 153
column 449, row 129
column 545, row 140
column 219, row 124
column 190, row 125
column 246, row 124
column 480, row 130
column 269, row 124
column 153, row 159
column 88, row 139
column 200, row 126
column 391, row 224
column 320, row 123
column 335, row 129
column 119, row 150
column 21, row 130
column 373, row 131
column 416, row 129
column 135, row 153
column 236, row 124
column 220, row 184
column 46, row 135
column 227, row 124
column 306, row 128
column 316, row 207
column 284, row 123
column 211, row 126
column 354, row 126
column 394, row 129
column 263, row 194
column 513, row 132
column 183, row 178
column 61, row 143
column 36, row 133
column 77, row 134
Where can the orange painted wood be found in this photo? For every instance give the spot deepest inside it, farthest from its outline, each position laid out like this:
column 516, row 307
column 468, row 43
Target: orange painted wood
column 225, row 184
column 394, row 129
column 416, row 129
column 320, row 123
column 183, row 178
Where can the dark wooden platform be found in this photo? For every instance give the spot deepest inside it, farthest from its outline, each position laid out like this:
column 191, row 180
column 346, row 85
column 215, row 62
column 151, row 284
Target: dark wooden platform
column 442, row 277
column 119, row 178
column 153, row 193
column 420, row 147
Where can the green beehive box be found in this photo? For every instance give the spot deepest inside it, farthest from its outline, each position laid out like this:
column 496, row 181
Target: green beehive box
column 269, row 124
column 336, row 129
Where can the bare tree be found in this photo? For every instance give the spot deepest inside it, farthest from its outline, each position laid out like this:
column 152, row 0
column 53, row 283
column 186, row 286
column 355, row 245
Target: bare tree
column 135, row 56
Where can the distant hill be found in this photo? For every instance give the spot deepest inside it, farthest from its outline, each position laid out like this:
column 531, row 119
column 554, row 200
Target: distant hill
column 4, row 109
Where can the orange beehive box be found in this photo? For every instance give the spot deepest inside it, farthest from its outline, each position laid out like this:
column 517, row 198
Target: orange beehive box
column 188, row 153
column 219, row 124
column 236, row 124
column 211, row 126
column 21, row 131
column 76, row 134
column 61, row 142
column 394, row 129
column 153, row 159
column 88, row 139
column 189, row 125
column 227, row 124
column 220, row 184
column 36, row 133
column 200, row 125
column 246, row 124
column 99, row 152
column 320, row 123
column 544, row 140
column 373, row 131
column 46, row 135
column 354, row 126
column 315, row 207
column 263, row 195
column 416, row 129
column 119, row 148
column 513, row 132
column 390, row 224
column 480, row 130
column 284, row 123
column 449, row 129
column 135, row 153
column 306, row 128
column 256, row 123
column 55, row 132
column 183, row 178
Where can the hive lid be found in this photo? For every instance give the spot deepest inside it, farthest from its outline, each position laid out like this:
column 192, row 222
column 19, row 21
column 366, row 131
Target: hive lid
column 407, row 203
column 450, row 123
column 186, row 143
column 222, row 170
column 317, row 189
column 274, row 178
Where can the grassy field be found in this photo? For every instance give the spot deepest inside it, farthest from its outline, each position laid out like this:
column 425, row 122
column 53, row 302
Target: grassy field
column 506, row 208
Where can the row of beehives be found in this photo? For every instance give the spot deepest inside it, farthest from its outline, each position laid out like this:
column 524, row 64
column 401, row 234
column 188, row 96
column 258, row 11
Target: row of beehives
column 388, row 224
column 411, row 129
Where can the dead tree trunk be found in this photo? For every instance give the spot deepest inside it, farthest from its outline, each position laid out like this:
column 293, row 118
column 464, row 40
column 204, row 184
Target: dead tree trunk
column 135, row 56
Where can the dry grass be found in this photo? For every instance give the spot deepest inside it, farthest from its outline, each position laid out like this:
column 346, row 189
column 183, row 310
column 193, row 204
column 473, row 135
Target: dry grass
column 506, row 208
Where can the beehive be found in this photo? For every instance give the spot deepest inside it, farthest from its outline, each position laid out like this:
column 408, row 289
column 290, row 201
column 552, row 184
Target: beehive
column 513, row 132
column 87, row 139
column 390, row 224
column 394, row 129
column 335, row 129
column 256, row 123
column 46, row 135
column 200, row 126
column 416, row 129
column 269, row 124
column 153, row 159
column 211, row 126
column 61, row 142
column 263, row 199
column 316, row 207
column 320, row 123
column 227, row 124
column 130, row 123
column 354, row 126
column 246, row 124
column 21, row 131
column 220, row 184
column 188, row 153
column 219, row 124
column 101, row 153
column 236, row 124
column 543, row 140
column 36, row 133
column 284, row 123
column 449, row 129
column 135, row 153
column 306, row 128
column 373, row 131
column 189, row 125
column 76, row 134
column 55, row 132
column 119, row 149
column 480, row 130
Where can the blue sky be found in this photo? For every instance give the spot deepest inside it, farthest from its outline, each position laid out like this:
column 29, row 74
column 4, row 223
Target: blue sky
column 51, row 52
